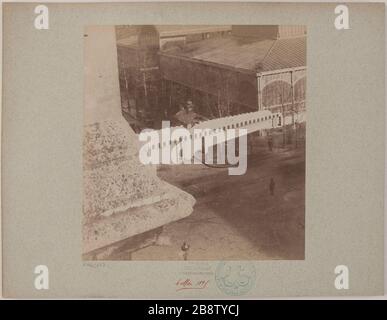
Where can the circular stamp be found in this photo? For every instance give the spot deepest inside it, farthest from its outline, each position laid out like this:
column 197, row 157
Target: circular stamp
column 235, row 278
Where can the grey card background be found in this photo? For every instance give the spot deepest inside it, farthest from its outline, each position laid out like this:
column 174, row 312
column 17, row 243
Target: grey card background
column 42, row 158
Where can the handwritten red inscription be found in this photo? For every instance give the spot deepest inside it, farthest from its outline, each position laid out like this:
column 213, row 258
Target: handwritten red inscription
column 187, row 284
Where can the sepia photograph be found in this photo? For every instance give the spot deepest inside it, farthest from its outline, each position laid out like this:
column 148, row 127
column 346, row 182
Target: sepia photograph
column 196, row 150
column 194, row 142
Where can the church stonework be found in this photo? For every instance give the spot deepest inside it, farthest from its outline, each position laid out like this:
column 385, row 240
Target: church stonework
column 123, row 199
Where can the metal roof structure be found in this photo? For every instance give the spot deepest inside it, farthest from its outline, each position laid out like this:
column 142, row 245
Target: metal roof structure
column 249, row 54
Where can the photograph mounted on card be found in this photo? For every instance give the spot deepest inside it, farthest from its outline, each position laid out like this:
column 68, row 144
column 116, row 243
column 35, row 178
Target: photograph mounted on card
column 192, row 150
column 208, row 121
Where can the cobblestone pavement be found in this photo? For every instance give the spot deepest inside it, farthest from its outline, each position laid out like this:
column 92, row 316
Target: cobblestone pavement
column 236, row 217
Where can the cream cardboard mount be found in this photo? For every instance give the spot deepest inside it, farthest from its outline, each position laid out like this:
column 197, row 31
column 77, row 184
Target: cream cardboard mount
column 125, row 204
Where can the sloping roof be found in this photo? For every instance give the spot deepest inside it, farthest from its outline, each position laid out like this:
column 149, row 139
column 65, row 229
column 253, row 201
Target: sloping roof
column 249, row 54
column 286, row 53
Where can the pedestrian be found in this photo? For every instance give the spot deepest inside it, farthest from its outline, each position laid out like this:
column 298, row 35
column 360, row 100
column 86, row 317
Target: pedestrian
column 270, row 143
column 272, row 186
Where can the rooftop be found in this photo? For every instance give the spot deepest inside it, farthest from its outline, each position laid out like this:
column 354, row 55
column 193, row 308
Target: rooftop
column 128, row 35
column 245, row 53
column 176, row 30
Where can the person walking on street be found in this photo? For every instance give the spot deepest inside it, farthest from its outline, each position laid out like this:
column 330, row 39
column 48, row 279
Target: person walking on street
column 272, row 186
column 270, row 143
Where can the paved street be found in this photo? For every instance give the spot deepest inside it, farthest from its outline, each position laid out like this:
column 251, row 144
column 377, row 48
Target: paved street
column 236, row 217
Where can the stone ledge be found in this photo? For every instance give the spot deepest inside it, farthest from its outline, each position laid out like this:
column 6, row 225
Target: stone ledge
column 121, row 225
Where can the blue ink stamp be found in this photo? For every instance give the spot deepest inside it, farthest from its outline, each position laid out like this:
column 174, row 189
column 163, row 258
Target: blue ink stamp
column 235, row 278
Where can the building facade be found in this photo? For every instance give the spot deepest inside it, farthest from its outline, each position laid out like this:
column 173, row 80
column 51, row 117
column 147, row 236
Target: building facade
column 138, row 49
column 223, row 70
